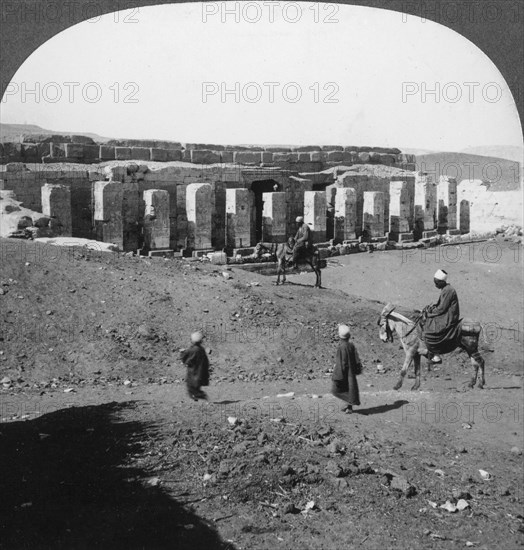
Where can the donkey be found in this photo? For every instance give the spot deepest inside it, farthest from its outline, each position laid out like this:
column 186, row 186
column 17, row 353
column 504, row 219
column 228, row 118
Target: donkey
column 283, row 254
column 391, row 322
column 308, row 256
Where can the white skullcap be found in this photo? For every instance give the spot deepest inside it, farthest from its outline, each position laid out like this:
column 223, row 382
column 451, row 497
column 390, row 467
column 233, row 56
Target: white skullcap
column 343, row 331
column 197, row 337
column 441, row 275
column 299, row 219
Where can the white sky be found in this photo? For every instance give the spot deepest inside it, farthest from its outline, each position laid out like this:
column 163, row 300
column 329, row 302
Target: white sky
column 168, row 52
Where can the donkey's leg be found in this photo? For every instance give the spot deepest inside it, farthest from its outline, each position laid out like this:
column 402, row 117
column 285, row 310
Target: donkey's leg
column 279, row 270
column 478, row 362
column 407, row 362
column 471, row 348
column 316, row 270
column 416, row 360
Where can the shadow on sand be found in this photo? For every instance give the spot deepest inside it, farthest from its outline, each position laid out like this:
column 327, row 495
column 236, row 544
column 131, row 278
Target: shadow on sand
column 66, row 483
column 383, row 408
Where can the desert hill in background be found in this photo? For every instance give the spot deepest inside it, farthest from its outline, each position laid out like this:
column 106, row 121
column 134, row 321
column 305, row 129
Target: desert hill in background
column 503, row 174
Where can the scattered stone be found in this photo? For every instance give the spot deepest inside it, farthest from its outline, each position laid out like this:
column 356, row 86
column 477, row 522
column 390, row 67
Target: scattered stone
column 290, row 394
column 334, row 469
column 153, row 482
column 400, row 483
column 309, row 506
column 516, row 451
column 324, row 431
column 335, row 447
column 486, row 476
column 462, row 505
column 459, row 494
column 233, row 421
column 449, row 506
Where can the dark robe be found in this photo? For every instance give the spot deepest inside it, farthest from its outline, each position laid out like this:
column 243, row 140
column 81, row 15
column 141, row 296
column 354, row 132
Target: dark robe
column 344, row 376
column 442, row 326
column 302, row 241
column 303, row 235
column 197, row 364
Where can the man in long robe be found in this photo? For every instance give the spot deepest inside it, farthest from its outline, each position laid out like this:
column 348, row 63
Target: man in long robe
column 302, row 240
column 442, row 325
column 347, row 366
column 197, row 363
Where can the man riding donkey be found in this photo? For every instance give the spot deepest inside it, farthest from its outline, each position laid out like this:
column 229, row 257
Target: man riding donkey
column 302, row 240
column 441, row 321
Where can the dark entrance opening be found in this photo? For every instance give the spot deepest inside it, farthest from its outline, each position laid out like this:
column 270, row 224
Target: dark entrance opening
column 258, row 188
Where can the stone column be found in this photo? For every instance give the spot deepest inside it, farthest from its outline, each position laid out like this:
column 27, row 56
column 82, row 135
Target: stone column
column 345, row 214
column 199, row 208
column 108, row 212
column 274, row 217
column 157, row 226
column 399, row 211
column 131, row 216
column 238, row 212
column 56, row 203
column 373, row 214
column 315, row 214
column 425, row 206
column 447, row 205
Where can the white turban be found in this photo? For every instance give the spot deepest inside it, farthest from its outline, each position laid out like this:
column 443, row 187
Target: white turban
column 441, row 275
column 197, row 337
column 299, row 219
column 343, row 331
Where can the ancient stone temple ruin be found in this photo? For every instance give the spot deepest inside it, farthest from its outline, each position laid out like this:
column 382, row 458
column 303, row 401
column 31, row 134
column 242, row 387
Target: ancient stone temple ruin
column 166, row 198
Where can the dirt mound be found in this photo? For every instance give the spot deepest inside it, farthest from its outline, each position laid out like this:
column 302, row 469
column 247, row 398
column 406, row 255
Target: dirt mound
column 79, row 314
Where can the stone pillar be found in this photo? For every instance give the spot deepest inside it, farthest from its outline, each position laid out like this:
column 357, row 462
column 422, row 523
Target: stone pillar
column 199, row 206
column 399, row 211
column 447, row 205
column 56, row 203
column 238, row 212
column 425, row 206
column 315, row 214
column 218, row 233
column 345, row 214
column 131, row 216
column 108, row 212
column 274, row 217
column 157, row 226
column 373, row 214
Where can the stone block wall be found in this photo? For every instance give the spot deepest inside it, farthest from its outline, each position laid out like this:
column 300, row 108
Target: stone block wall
column 27, row 186
column 82, row 149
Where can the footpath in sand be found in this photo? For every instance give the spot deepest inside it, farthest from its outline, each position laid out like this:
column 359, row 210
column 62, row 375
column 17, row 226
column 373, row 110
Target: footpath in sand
column 100, row 445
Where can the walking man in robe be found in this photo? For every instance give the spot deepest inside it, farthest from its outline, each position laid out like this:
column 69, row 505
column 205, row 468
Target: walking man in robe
column 197, row 363
column 442, row 320
column 302, row 240
column 348, row 365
